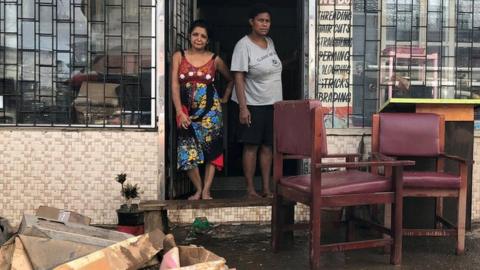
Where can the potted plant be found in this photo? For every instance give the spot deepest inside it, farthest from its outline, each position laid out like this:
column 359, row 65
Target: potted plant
column 128, row 214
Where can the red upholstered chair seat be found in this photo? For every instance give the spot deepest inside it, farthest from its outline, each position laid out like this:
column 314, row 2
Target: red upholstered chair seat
column 430, row 180
column 341, row 182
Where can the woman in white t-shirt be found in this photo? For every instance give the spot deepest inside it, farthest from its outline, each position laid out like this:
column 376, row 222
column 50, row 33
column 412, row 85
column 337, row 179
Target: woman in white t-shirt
column 258, row 85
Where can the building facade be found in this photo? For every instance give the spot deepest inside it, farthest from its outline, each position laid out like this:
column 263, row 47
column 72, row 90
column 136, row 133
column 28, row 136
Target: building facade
column 84, row 87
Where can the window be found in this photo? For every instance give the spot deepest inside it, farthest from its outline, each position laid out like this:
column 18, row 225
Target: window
column 77, row 63
column 396, row 48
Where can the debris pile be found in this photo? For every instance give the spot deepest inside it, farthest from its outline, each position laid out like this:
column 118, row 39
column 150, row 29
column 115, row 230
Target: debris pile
column 65, row 240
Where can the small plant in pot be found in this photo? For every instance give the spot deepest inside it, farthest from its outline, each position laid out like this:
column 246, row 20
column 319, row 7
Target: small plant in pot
column 128, row 214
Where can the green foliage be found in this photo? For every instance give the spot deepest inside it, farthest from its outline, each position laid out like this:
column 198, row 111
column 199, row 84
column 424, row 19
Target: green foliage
column 121, row 178
column 130, row 191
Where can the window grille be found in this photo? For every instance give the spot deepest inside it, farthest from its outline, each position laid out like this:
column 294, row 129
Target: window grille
column 80, row 63
column 369, row 50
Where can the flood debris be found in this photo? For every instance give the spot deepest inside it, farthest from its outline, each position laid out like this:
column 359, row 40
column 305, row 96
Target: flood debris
column 6, row 230
column 61, row 215
column 132, row 253
column 189, row 257
column 63, row 240
column 67, row 231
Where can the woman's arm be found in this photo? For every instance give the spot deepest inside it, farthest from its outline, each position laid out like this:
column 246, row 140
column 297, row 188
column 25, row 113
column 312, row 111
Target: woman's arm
column 220, row 66
column 182, row 118
column 242, row 100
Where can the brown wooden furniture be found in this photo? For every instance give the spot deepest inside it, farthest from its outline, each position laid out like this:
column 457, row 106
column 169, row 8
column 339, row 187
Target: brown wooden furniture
column 422, row 135
column 299, row 133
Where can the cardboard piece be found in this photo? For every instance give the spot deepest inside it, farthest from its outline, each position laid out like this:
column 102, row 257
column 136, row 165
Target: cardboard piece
column 6, row 254
column 199, row 258
column 132, row 253
column 52, row 213
column 193, row 257
column 48, row 253
column 20, row 259
column 89, row 235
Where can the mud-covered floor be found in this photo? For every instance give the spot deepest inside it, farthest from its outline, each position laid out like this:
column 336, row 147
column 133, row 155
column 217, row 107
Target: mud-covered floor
column 248, row 247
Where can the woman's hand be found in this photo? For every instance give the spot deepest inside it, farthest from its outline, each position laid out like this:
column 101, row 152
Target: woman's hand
column 245, row 117
column 224, row 99
column 183, row 120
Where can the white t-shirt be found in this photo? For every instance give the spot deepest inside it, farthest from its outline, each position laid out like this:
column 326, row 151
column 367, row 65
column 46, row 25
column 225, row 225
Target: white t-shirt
column 263, row 71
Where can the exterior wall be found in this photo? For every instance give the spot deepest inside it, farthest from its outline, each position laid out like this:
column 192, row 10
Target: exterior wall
column 74, row 170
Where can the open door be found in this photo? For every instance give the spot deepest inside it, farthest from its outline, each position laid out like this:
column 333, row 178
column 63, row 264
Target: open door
column 229, row 23
column 179, row 17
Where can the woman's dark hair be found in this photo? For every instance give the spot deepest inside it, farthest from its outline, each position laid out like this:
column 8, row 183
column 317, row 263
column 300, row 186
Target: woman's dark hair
column 257, row 9
column 202, row 24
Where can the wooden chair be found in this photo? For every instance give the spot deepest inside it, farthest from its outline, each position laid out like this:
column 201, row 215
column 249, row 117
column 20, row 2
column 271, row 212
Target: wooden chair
column 299, row 133
column 422, row 135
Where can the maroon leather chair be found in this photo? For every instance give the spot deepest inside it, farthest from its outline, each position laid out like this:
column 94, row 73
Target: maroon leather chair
column 299, row 134
column 396, row 135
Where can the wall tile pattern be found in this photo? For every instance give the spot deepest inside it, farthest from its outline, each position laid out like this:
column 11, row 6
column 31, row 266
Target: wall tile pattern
column 74, row 170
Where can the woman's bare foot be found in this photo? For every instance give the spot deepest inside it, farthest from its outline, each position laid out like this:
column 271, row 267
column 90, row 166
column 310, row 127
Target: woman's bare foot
column 195, row 196
column 253, row 195
column 267, row 194
column 206, row 195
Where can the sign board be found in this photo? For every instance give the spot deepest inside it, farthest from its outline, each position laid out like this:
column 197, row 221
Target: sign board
column 334, row 50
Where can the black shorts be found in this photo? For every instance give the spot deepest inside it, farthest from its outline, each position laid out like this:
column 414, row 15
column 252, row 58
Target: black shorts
column 260, row 131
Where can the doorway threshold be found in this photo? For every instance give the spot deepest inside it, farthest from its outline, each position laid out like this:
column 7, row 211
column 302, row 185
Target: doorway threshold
column 158, row 205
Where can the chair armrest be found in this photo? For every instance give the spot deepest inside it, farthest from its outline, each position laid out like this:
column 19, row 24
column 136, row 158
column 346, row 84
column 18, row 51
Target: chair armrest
column 342, row 155
column 286, row 156
column 457, row 158
column 382, row 157
column 392, row 163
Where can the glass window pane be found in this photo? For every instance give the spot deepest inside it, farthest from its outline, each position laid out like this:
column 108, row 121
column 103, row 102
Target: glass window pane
column 97, row 37
column 63, row 9
column 146, row 22
column 28, row 35
column 80, row 22
column 130, row 37
column 114, row 15
column 130, row 10
column 28, row 9
column 10, row 18
column 46, row 19
column 63, row 36
column 28, row 66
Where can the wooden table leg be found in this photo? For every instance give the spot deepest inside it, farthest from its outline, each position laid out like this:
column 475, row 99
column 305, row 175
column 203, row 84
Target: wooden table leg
column 157, row 219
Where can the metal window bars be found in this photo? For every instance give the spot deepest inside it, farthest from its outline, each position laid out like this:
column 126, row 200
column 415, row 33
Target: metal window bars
column 77, row 63
column 396, row 48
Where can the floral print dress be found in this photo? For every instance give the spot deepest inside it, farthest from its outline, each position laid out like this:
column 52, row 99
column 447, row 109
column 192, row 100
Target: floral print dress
column 202, row 142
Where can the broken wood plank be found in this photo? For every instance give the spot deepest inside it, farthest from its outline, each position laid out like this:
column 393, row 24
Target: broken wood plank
column 33, row 226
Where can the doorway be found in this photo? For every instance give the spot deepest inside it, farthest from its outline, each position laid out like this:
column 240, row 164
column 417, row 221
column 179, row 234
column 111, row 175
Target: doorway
column 229, row 22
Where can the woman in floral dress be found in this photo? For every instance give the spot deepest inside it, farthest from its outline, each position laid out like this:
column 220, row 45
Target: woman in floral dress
column 198, row 109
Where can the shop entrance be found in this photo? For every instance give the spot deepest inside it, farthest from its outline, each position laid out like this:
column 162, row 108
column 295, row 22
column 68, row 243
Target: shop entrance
column 229, row 22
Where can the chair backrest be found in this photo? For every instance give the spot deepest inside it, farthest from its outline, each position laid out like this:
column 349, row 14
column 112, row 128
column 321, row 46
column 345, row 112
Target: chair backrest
column 408, row 134
column 293, row 127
